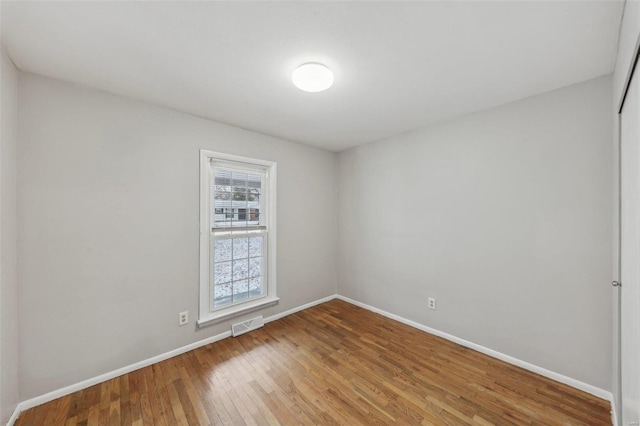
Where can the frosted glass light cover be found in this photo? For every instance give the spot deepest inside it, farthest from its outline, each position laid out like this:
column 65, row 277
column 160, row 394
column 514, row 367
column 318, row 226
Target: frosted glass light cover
column 312, row 77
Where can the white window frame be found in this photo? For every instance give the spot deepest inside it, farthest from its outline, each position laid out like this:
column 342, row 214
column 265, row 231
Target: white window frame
column 207, row 315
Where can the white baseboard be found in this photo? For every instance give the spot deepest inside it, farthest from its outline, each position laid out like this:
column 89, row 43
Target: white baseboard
column 601, row 393
column 15, row 415
column 33, row 402
column 299, row 308
column 614, row 413
column 593, row 390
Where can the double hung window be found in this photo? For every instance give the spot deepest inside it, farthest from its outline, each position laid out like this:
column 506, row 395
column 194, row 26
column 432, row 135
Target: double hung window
column 237, row 239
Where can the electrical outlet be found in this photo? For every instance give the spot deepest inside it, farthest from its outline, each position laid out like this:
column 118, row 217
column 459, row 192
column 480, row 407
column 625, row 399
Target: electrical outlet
column 183, row 318
column 432, row 303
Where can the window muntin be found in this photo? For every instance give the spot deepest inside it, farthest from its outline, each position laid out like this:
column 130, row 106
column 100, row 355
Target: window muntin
column 238, row 268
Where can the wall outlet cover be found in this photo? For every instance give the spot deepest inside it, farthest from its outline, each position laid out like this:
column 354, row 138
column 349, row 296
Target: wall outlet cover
column 183, row 318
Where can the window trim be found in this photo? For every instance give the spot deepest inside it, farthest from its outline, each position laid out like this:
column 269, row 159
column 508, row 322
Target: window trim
column 205, row 315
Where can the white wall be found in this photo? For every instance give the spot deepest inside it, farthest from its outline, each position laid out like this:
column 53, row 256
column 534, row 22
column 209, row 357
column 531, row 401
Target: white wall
column 108, row 250
column 504, row 216
column 8, row 240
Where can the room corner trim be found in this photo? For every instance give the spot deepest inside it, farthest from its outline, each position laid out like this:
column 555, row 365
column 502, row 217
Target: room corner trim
column 593, row 390
column 50, row 396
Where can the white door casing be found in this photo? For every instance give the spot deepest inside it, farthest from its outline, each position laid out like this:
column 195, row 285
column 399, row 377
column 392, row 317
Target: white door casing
column 630, row 255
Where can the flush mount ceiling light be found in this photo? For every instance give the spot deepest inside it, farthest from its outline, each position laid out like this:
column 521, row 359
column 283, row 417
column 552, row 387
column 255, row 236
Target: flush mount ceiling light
column 312, row 77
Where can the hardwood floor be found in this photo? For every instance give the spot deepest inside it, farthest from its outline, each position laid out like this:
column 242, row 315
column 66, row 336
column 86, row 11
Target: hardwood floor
column 331, row 364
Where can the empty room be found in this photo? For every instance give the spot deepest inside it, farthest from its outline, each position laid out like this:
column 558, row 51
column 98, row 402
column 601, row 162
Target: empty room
column 320, row 212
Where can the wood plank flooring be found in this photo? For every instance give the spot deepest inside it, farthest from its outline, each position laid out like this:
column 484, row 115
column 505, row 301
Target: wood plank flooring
column 333, row 364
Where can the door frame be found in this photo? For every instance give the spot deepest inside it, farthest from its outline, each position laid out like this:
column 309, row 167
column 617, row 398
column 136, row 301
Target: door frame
column 616, row 408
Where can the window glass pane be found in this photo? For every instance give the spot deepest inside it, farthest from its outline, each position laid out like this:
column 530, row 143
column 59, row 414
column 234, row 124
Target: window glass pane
column 238, row 266
column 236, row 198
column 221, row 200
column 255, row 287
column 221, row 209
column 222, row 250
column 255, row 246
column 255, row 266
column 222, row 272
column 239, row 180
column 239, row 213
column 253, row 213
column 222, row 180
column 240, row 248
column 240, row 290
column 221, row 295
column 254, row 183
column 239, row 194
column 240, row 269
column 239, row 197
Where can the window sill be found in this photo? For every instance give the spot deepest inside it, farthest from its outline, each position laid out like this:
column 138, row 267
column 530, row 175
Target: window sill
column 218, row 317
